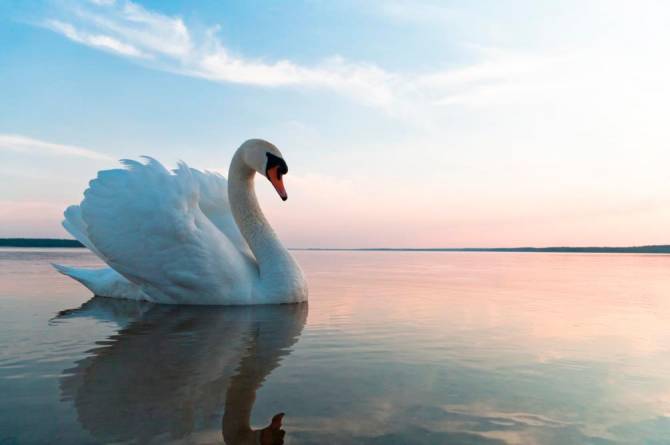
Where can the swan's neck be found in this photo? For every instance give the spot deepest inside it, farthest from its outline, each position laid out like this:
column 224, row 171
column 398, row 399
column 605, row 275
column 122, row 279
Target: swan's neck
column 278, row 271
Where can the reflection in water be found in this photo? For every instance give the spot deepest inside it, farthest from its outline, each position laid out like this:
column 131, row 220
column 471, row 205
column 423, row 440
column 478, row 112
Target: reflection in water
column 173, row 372
column 400, row 348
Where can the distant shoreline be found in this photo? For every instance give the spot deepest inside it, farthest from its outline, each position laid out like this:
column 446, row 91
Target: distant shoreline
column 657, row 248
column 661, row 248
column 39, row 242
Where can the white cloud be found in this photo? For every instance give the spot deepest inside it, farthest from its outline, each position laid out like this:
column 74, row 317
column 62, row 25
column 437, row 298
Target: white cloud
column 130, row 30
column 23, row 144
column 595, row 75
column 94, row 40
column 156, row 34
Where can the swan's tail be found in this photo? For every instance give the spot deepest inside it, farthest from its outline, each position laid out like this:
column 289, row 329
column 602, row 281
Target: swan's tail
column 87, row 277
column 104, row 282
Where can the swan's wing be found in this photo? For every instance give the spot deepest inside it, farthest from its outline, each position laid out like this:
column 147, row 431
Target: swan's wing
column 75, row 224
column 147, row 224
column 214, row 204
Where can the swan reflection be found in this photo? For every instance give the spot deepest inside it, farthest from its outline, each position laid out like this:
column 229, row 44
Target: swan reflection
column 172, row 373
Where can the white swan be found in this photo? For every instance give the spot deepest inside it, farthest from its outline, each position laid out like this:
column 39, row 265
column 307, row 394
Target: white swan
column 186, row 237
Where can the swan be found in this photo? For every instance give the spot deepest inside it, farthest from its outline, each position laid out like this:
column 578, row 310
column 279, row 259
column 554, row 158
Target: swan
column 186, row 236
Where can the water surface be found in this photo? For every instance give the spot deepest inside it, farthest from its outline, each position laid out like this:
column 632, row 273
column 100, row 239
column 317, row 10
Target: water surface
column 393, row 348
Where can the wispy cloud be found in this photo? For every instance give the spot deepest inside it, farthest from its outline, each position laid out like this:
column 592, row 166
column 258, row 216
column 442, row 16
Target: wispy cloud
column 23, row 144
column 130, row 30
column 94, row 40
column 595, row 73
column 167, row 43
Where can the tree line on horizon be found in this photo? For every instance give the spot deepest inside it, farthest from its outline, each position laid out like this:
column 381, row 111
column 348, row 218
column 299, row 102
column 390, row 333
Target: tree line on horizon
column 656, row 248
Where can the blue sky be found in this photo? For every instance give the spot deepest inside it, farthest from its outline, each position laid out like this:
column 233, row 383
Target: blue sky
column 403, row 123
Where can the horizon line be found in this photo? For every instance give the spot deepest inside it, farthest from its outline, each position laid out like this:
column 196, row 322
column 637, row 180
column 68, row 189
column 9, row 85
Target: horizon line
column 648, row 248
column 663, row 247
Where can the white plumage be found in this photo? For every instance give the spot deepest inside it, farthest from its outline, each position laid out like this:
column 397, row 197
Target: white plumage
column 173, row 237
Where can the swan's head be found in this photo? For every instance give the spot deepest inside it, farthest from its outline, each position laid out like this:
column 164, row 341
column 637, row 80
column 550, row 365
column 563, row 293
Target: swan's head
column 267, row 160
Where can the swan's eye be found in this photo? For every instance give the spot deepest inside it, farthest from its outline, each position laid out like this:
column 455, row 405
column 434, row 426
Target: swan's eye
column 276, row 161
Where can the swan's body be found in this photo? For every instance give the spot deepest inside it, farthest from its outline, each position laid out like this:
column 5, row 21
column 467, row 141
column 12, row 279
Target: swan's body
column 186, row 237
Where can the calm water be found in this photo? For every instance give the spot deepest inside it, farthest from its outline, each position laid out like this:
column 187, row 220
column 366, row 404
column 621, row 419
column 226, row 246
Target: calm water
column 394, row 348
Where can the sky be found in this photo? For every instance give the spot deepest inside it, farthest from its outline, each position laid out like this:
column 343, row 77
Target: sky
column 403, row 123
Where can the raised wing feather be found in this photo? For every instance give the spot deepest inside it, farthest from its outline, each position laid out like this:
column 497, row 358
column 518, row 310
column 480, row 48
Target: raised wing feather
column 148, row 225
column 74, row 224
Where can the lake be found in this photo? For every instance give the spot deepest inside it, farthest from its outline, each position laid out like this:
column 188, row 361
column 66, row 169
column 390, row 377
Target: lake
column 393, row 348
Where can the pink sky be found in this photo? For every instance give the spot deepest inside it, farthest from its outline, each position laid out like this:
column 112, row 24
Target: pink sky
column 537, row 129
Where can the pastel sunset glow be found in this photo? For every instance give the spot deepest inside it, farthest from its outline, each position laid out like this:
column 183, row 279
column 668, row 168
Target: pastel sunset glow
column 404, row 124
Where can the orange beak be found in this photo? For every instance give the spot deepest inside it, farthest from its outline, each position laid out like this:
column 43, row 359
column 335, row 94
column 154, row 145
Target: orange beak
column 275, row 178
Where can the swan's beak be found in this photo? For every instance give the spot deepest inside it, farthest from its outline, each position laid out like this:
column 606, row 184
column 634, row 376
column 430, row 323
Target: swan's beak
column 275, row 177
